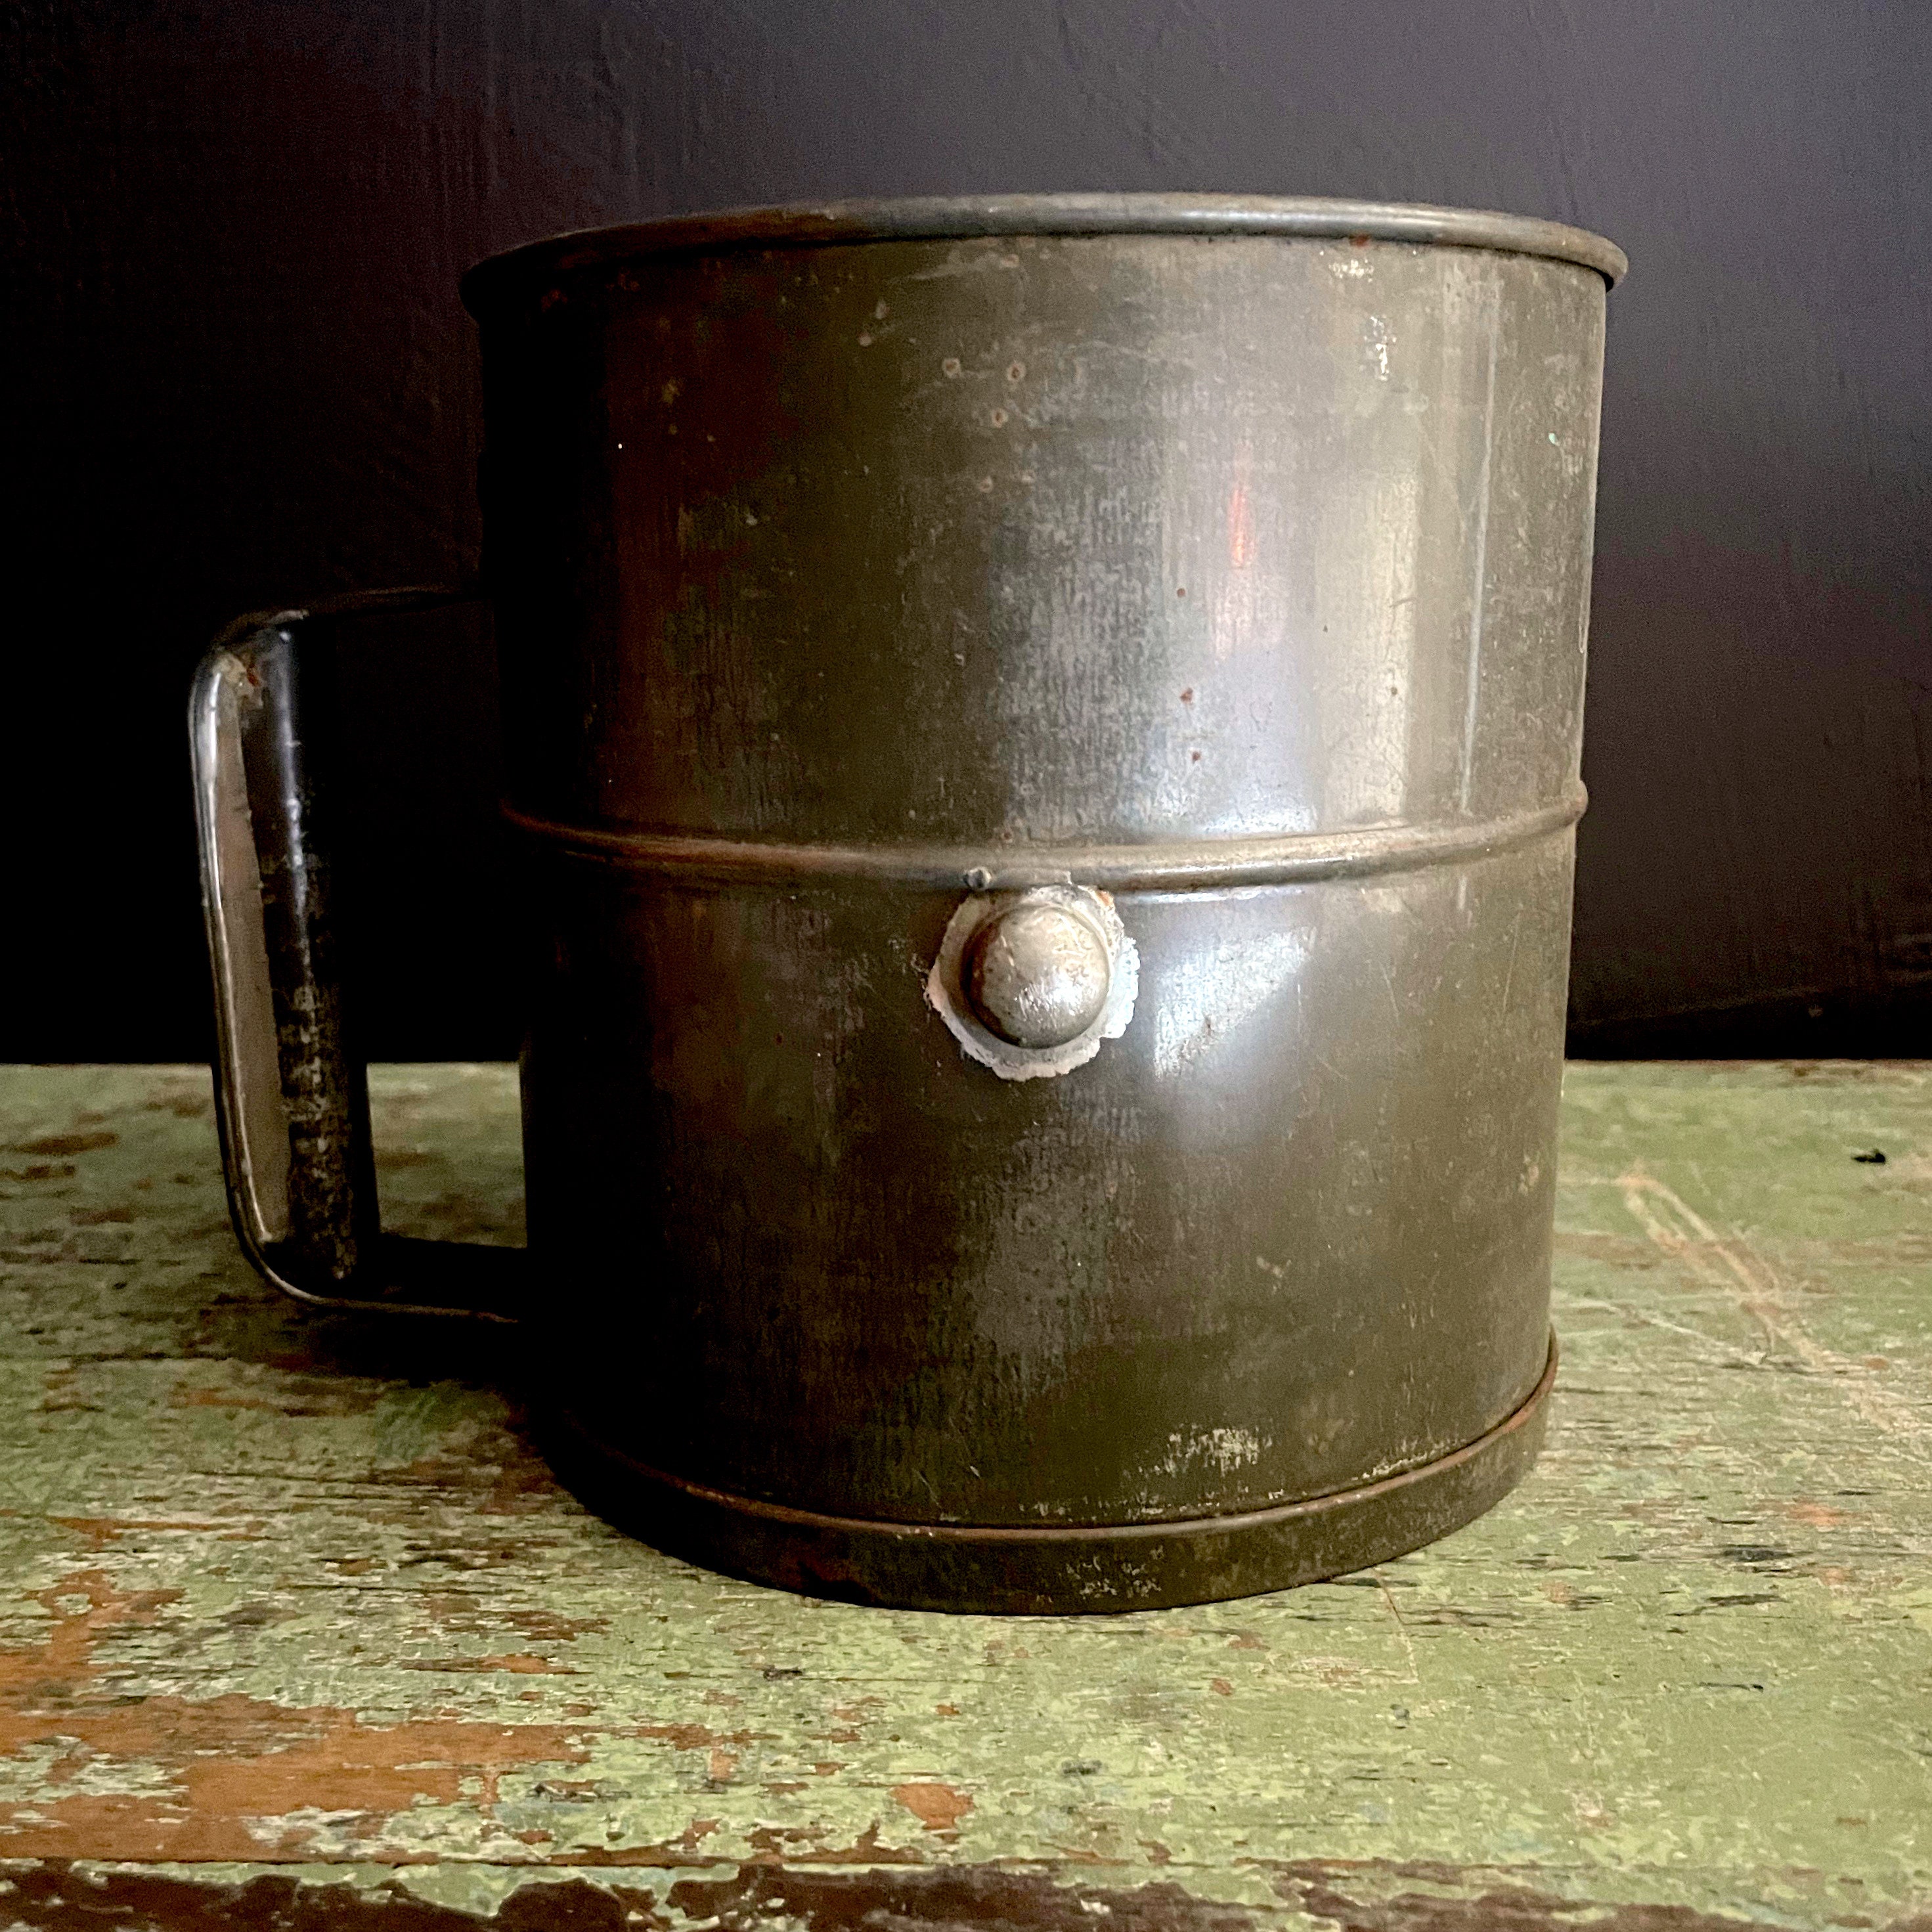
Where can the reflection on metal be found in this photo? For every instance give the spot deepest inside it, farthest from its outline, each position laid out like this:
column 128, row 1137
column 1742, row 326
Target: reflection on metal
column 255, row 1129
column 1214, row 993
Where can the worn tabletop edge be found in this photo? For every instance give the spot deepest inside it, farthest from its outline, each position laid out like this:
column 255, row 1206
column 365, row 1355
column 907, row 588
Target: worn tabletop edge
column 1743, row 1424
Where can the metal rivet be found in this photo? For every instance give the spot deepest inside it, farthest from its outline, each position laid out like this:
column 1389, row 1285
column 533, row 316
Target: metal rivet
column 1038, row 974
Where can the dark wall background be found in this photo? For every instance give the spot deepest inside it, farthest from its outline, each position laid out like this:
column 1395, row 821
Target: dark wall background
column 237, row 373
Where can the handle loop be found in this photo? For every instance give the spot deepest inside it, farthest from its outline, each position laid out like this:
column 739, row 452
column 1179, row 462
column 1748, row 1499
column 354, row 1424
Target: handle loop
column 291, row 1092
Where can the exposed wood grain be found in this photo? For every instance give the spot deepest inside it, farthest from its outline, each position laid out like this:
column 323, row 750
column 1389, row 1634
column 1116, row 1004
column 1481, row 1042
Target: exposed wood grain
column 295, row 1627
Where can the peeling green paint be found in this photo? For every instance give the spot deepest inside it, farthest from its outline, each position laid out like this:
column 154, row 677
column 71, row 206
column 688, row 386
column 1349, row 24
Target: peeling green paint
column 287, row 1590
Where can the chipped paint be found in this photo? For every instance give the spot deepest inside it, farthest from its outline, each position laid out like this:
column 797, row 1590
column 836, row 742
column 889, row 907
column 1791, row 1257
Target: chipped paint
column 292, row 1603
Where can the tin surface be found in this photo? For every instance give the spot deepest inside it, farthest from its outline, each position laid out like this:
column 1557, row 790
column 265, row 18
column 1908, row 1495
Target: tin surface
column 1200, row 587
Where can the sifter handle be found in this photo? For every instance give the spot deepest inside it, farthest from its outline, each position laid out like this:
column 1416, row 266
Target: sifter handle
column 291, row 1093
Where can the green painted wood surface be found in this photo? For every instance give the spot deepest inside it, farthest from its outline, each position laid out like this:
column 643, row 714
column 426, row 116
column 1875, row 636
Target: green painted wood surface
column 293, row 1617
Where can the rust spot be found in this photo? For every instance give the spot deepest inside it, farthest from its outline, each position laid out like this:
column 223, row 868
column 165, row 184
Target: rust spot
column 938, row 1806
column 720, row 1764
column 97, row 1217
column 1194, row 758
column 59, row 1144
column 1221, row 1687
column 1358, row 240
column 1187, row 696
column 950, row 367
column 40, row 1171
column 946, row 1710
column 1015, row 371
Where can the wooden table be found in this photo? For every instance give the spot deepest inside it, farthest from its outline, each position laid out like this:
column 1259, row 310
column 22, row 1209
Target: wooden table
column 295, row 1629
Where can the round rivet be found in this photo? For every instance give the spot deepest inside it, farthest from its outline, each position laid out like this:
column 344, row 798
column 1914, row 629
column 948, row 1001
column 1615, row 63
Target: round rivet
column 1037, row 974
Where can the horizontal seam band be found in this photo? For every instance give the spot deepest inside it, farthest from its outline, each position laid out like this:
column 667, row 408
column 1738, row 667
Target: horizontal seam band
column 1178, row 865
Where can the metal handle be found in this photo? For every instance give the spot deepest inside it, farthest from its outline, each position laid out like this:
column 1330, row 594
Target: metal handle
column 291, row 1093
